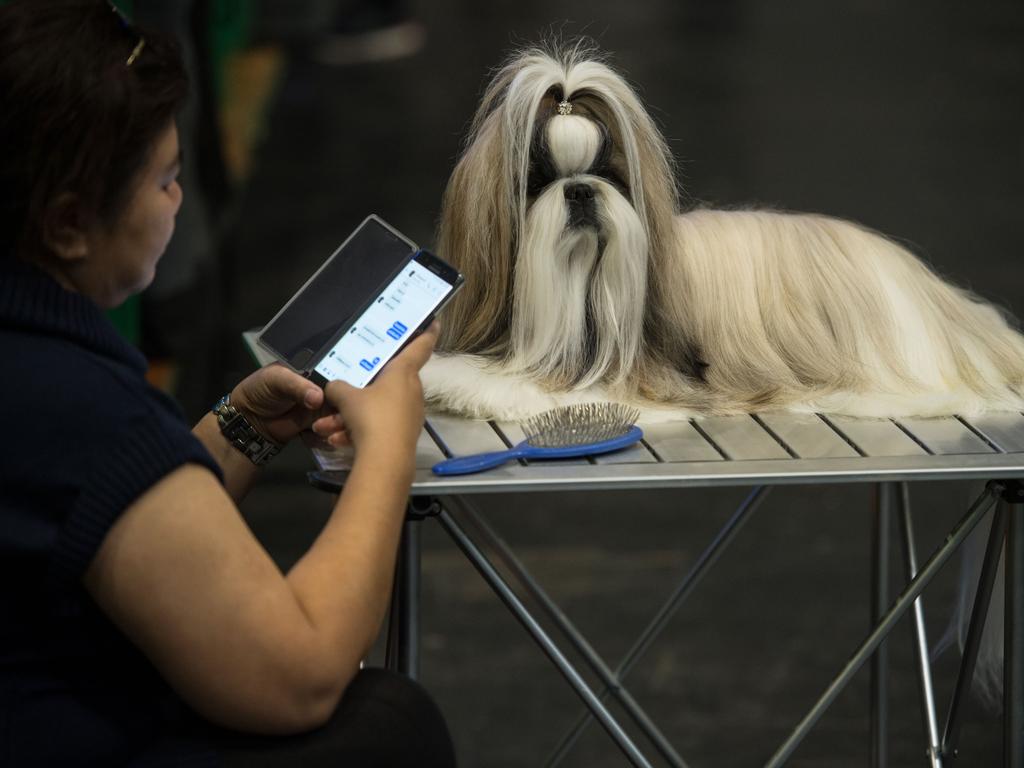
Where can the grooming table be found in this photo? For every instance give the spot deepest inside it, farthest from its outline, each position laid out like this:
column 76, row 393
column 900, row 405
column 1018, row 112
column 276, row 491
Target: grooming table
column 758, row 452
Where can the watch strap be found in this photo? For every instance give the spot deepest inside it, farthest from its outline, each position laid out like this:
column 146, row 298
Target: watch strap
column 238, row 431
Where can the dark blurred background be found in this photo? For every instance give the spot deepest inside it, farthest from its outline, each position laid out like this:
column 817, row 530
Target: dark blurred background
column 906, row 117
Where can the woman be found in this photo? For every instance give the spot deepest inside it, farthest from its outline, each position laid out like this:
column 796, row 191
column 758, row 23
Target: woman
column 133, row 594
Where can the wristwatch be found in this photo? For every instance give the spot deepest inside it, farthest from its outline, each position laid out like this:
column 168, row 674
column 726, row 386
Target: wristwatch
column 243, row 435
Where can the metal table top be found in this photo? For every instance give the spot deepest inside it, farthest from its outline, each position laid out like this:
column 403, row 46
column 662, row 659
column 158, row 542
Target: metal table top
column 763, row 449
column 766, row 449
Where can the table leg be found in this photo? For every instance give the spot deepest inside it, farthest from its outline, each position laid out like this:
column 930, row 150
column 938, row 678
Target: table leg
column 409, row 588
column 879, row 694
column 924, row 667
column 394, row 624
column 972, row 644
column 401, row 649
column 1013, row 648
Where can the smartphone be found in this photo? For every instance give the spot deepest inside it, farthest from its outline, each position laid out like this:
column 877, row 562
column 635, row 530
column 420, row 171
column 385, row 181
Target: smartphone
column 397, row 314
column 370, row 298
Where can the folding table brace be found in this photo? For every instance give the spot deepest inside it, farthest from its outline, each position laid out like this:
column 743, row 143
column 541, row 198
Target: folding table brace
column 908, row 597
column 613, row 681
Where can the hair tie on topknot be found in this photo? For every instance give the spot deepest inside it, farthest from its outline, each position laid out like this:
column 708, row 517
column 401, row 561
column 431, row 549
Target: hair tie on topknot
column 564, row 108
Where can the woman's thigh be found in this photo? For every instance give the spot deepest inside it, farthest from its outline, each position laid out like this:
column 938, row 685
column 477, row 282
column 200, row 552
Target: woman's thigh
column 383, row 719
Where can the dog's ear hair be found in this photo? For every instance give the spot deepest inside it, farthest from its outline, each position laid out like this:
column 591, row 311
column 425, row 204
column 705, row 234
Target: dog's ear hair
column 476, row 235
column 481, row 213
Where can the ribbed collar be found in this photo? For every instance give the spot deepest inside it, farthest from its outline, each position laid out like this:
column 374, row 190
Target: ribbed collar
column 31, row 300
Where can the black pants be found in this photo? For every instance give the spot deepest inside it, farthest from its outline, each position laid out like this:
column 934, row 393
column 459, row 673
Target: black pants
column 383, row 720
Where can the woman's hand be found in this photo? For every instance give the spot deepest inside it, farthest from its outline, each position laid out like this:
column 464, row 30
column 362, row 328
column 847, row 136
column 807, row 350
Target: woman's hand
column 280, row 403
column 389, row 412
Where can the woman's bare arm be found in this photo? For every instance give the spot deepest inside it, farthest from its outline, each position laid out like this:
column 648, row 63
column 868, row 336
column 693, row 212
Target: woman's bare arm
column 247, row 646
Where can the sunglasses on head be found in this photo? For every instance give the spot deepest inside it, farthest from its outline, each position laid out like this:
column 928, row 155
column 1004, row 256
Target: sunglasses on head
column 127, row 27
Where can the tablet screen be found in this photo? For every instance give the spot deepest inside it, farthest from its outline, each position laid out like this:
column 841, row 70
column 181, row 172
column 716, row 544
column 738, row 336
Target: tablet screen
column 330, row 299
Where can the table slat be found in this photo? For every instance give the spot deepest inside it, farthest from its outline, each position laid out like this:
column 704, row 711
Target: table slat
column 1003, row 428
column 877, row 437
column 808, row 436
column 464, row 437
column 427, row 452
column 742, row 438
column 635, row 454
column 946, row 436
column 678, row 441
column 512, row 430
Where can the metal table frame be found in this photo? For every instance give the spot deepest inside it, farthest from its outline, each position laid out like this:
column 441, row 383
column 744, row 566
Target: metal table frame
column 758, row 452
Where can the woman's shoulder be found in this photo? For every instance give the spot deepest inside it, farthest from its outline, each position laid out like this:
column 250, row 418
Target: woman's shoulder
column 74, row 406
column 62, row 378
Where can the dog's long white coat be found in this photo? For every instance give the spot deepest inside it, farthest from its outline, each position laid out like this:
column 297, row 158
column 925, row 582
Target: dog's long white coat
column 700, row 312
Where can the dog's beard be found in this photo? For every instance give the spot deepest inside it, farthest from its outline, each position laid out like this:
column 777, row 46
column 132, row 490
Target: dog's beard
column 579, row 290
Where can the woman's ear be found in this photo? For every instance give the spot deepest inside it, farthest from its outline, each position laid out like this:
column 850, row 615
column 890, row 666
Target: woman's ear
column 64, row 228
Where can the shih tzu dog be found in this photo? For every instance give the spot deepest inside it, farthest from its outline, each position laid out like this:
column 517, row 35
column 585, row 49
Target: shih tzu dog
column 584, row 281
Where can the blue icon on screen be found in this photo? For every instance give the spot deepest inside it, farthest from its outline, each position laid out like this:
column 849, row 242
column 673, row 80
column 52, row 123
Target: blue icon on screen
column 397, row 330
column 368, row 365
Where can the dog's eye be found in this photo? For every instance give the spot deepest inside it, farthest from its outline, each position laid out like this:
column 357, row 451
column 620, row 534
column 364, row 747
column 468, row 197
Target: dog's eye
column 539, row 178
column 609, row 174
column 542, row 170
column 603, row 163
column 604, row 154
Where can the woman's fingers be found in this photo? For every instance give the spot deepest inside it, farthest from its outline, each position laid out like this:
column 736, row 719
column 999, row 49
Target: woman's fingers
column 288, row 386
column 326, row 426
column 336, row 393
column 420, row 348
column 275, row 390
column 338, row 439
column 334, row 440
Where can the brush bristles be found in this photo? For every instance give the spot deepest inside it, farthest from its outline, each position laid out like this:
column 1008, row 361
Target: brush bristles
column 579, row 424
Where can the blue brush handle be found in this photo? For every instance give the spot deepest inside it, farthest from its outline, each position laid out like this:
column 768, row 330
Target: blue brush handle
column 464, row 465
column 478, row 462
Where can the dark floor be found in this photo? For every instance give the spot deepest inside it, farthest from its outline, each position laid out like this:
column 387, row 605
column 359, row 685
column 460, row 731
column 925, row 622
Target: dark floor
column 906, row 117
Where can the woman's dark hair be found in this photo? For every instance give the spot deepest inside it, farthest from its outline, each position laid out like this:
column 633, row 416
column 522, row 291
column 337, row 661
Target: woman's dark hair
column 75, row 116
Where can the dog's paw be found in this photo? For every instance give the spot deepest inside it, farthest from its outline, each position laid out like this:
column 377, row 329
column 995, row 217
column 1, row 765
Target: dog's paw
column 478, row 388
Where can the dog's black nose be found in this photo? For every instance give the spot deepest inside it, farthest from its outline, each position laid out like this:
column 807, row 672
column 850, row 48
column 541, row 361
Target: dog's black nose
column 581, row 204
column 578, row 192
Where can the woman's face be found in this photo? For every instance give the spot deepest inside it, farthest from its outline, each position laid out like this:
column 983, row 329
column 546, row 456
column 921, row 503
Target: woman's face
column 123, row 254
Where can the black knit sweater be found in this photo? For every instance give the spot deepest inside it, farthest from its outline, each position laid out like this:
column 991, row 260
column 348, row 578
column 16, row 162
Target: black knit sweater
column 83, row 436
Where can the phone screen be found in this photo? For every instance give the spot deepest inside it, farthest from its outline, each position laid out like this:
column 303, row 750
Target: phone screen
column 400, row 309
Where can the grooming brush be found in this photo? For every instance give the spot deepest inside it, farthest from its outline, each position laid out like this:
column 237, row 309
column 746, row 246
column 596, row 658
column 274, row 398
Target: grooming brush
column 561, row 433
